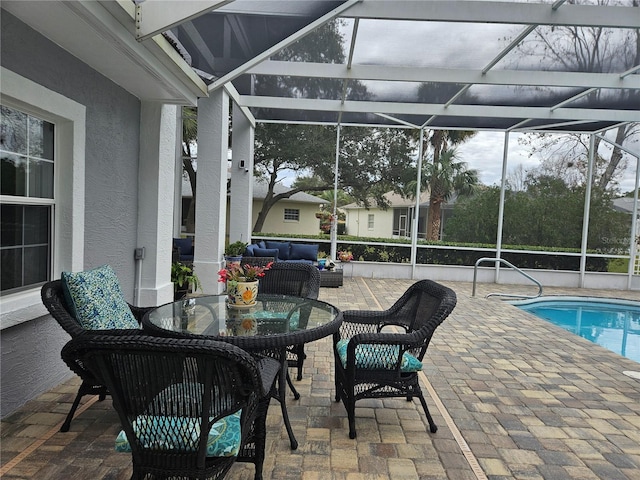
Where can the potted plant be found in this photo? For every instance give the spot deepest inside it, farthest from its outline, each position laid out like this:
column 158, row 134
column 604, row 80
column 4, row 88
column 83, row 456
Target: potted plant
column 233, row 252
column 184, row 280
column 242, row 283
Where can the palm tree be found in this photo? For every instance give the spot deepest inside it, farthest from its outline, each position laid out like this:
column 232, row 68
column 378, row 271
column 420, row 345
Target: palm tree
column 447, row 177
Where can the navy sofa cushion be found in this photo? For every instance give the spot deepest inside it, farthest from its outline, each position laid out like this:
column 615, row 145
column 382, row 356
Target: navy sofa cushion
column 301, row 251
column 249, row 252
column 266, row 252
column 283, row 247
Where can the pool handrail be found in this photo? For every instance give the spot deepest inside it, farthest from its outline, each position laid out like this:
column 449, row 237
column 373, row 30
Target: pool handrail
column 504, row 262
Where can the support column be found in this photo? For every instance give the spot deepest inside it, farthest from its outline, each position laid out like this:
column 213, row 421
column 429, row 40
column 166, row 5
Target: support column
column 211, row 189
column 156, row 173
column 241, row 205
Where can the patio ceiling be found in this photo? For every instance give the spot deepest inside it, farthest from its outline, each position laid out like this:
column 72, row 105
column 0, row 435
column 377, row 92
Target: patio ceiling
column 441, row 64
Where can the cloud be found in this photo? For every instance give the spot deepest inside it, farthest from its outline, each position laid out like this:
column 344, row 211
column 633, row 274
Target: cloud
column 484, row 153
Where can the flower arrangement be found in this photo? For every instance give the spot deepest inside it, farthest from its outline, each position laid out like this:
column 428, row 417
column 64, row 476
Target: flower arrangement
column 345, row 256
column 242, row 273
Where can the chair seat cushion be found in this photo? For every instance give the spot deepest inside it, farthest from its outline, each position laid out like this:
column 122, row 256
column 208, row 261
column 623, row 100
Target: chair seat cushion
column 378, row 357
column 182, row 433
column 96, row 301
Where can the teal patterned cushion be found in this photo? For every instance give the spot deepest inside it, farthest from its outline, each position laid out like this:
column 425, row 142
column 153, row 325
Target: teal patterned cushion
column 96, row 300
column 371, row 356
column 182, row 433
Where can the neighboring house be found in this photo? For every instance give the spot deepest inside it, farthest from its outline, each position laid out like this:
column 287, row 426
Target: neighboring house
column 394, row 222
column 294, row 215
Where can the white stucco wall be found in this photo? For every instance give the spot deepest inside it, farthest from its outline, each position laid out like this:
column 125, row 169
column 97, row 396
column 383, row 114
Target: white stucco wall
column 30, row 359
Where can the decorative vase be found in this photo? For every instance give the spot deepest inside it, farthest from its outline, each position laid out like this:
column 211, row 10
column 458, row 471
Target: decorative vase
column 242, row 294
column 233, row 260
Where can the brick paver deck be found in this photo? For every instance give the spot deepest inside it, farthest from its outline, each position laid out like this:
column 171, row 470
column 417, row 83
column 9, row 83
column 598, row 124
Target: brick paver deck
column 515, row 398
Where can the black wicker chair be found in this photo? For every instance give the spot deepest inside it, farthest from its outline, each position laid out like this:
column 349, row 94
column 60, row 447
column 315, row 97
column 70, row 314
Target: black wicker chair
column 374, row 356
column 53, row 298
column 169, row 393
column 300, row 280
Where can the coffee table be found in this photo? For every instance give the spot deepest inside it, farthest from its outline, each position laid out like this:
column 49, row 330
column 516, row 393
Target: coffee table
column 273, row 324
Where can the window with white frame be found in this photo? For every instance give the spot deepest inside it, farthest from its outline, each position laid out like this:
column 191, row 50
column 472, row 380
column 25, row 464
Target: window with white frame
column 43, row 193
column 27, row 167
column 370, row 221
column 291, row 214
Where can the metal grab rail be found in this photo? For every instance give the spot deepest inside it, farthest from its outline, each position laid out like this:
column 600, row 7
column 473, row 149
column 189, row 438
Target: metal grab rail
column 494, row 260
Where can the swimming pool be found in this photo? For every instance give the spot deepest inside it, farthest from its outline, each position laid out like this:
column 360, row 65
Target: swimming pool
column 611, row 323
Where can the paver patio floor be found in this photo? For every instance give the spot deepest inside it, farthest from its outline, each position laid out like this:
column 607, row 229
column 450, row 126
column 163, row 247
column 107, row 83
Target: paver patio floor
column 514, row 398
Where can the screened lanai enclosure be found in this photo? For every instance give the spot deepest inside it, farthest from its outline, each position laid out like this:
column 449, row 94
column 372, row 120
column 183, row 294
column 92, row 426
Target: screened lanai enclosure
column 535, row 103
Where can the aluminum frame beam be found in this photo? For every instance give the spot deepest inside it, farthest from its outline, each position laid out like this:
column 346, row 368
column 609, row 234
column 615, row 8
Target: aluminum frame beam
column 445, row 75
column 498, row 12
column 389, row 108
column 156, row 16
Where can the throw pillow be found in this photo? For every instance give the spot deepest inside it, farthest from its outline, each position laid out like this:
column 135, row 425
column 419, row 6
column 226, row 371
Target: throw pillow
column 283, row 247
column 249, row 252
column 300, row 251
column 181, row 434
column 96, row 301
column 374, row 356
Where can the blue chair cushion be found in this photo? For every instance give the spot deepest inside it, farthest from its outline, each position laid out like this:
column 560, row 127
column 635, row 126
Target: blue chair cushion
column 283, row 247
column 261, row 244
column 181, row 434
column 184, row 245
column 95, row 299
column 301, row 251
column 266, row 252
column 378, row 357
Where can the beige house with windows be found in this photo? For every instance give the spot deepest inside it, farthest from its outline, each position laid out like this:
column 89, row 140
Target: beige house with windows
column 294, row 215
column 394, row 222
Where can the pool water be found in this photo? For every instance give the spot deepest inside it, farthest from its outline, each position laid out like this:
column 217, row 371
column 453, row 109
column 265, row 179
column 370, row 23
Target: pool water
column 612, row 324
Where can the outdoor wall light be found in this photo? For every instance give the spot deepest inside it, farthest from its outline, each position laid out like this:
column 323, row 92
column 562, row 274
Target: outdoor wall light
column 242, row 166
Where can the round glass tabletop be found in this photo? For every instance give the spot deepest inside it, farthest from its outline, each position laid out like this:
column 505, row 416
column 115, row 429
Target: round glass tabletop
column 274, row 321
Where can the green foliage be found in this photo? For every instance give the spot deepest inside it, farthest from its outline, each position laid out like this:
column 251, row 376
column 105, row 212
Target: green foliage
column 548, row 214
column 182, row 275
column 235, row 249
column 618, row 265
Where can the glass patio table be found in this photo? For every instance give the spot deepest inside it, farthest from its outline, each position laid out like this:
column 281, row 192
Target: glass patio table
column 270, row 326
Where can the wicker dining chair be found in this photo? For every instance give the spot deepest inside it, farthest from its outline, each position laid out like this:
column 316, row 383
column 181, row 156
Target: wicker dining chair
column 53, row 299
column 189, row 408
column 300, row 280
column 373, row 362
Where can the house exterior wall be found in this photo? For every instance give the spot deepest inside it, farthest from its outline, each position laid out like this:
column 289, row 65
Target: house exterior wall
column 31, row 350
column 357, row 221
column 275, row 222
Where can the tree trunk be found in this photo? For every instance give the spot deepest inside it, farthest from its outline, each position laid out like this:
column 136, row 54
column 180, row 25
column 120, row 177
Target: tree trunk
column 435, row 214
column 616, row 156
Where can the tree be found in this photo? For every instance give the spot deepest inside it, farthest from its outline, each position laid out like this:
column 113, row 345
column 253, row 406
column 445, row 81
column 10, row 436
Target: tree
column 587, row 49
column 372, row 161
column 547, row 213
column 189, row 139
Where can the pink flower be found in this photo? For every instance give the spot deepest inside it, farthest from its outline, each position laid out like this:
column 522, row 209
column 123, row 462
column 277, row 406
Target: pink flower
column 242, row 273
